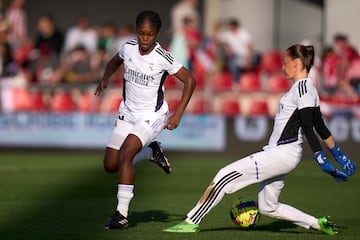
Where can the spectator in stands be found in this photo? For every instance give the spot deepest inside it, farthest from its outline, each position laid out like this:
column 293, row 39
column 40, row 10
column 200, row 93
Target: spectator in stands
column 82, row 34
column 8, row 67
column 212, row 47
column 98, row 62
column 336, row 60
column 44, row 65
column 238, row 48
column 192, row 38
column 125, row 33
column 48, row 35
column 183, row 15
column 4, row 28
column 75, row 68
column 181, row 10
column 329, row 70
column 344, row 49
column 16, row 17
column 106, row 38
column 346, row 53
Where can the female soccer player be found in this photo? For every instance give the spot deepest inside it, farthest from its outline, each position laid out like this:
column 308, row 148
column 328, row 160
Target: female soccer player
column 298, row 112
column 143, row 112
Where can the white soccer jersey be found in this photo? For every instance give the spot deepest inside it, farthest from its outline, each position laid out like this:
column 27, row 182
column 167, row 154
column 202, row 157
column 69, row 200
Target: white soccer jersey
column 287, row 128
column 144, row 76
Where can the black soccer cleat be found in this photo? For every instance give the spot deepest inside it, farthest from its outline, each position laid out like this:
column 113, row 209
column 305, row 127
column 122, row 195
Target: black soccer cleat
column 117, row 221
column 159, row 157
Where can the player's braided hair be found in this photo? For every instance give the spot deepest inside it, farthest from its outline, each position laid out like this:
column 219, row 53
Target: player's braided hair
column 305, row 53
column 149, row 15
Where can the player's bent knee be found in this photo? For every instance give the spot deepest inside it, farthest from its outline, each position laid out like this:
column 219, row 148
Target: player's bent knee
column 268, row 210
column 111, row 162
column 110, row 168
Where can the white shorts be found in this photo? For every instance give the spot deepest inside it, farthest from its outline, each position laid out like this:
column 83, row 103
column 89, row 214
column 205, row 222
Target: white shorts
column 146, row 128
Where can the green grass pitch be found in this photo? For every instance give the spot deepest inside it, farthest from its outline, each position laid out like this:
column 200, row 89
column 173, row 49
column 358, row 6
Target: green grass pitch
column 67, row 195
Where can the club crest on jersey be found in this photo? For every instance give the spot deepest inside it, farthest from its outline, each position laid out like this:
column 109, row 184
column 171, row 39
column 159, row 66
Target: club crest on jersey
column 151, row 67
column 281, row 107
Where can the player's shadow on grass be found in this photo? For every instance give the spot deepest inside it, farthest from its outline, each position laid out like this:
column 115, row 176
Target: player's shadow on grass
column 152, row 216
column 276, row 226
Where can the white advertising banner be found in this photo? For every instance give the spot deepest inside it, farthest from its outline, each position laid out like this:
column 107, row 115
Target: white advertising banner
column 92, row 131
column 196, row 132
column 55, row 130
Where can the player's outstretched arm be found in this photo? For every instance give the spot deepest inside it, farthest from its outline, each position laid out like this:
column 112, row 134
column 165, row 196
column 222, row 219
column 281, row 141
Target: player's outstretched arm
column 342, row 159
column 307, row 123
column 110, row 68
column 189, row 86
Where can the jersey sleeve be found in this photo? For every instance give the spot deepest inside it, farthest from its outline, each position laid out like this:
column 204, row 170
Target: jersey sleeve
column 307, row 102
column 170, row 64
column 306, row 95
column 121, row 52
column 174, row 67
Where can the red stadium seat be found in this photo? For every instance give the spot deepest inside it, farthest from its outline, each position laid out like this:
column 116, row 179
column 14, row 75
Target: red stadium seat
column 88, row 103
column 199, row 106
column 61, row 102
column 173, row 104
column 38, row 102
column 110, row 102
column 171, row 82
column 21, row 99
column 200, row 80
column 271, row 61
column 199, row 72
column 250, row 82
column 277, row 82
column 230, row 107
column 114, row 104
column 222, row 81
column 259, row 108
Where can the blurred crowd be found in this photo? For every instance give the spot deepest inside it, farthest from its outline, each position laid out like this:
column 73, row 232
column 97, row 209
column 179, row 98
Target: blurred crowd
column 35, row 70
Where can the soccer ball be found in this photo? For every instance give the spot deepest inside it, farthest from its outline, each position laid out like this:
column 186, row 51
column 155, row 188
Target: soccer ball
column 245, row 212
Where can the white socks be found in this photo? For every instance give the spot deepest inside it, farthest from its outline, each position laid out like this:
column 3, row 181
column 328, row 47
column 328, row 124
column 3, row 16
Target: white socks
column 124, row 195
column 315, row 225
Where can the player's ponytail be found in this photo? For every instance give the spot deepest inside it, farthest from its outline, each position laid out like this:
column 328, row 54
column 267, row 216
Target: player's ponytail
column 310, row 58
column 305, row 53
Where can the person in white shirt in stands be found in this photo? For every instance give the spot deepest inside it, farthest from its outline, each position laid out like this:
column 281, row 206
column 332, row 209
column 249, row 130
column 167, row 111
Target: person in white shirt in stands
column 181, row 10
column 237, row 44
column 143, row 113
column 82, row 34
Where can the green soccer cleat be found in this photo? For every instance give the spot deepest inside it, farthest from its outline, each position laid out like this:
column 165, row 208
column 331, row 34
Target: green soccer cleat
column 327, row 226
column 183, row 227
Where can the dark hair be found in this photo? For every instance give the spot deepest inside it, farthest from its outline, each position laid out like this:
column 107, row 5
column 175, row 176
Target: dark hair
column 148, row 15
column 340, row 37
column 234, row 22
column 48, row 17
column 305, row 53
